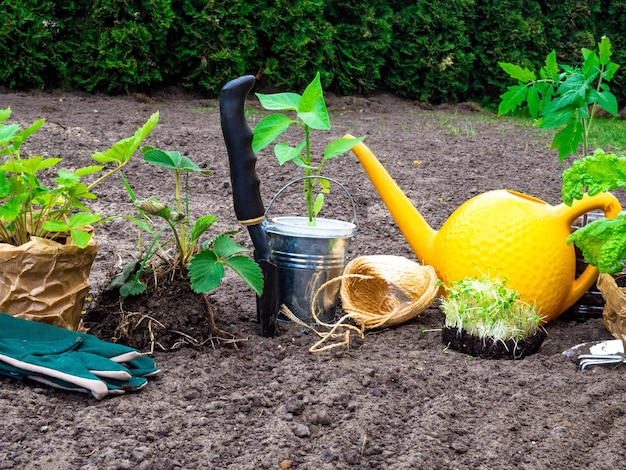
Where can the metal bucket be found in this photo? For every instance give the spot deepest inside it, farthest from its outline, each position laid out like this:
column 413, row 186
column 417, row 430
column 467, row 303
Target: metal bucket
column 307, row 257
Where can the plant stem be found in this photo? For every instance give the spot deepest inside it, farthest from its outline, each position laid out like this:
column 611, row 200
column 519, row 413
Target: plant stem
column 109, row 173
column 308, row 183
column 594, row 107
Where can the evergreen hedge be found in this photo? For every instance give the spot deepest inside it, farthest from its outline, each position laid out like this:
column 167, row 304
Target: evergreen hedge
column 431, row 50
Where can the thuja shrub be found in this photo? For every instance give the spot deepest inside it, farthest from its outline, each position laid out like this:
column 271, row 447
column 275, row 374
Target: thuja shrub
column 26, row 43
column 611, row 24
column 506, row 31
column 430, row 55
column 114, row 47
column 211, row 43
column 294, row 41
column 362, row 39
column 569, row 25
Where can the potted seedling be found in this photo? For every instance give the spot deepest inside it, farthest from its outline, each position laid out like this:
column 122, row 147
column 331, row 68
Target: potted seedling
column 298, row 254
column 311, row 115
column 485, row 318
column 47, row 244
column 567, row 98
column 308, row 250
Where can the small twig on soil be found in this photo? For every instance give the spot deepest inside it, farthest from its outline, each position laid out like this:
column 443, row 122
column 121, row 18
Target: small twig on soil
column 363, row 442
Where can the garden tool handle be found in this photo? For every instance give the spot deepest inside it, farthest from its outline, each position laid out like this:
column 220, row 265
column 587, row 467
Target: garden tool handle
column 246, row 193
column 238, row 137
column 611, row 207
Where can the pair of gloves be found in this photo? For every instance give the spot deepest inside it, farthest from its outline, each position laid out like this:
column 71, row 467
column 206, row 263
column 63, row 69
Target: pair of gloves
column 70, row 360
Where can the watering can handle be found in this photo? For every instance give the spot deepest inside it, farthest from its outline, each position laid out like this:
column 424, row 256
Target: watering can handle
column 611, row 207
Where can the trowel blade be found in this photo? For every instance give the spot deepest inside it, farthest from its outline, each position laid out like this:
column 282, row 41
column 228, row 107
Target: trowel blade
column 609, row 346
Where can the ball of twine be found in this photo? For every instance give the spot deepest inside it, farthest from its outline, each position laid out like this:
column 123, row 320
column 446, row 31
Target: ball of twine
column 383, row 290
column 376, row 291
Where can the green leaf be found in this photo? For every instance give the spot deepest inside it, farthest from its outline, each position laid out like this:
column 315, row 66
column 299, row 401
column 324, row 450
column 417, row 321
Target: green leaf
column 340, row 146
column 600, row 172
column 56, row 226
column 522, row 74
column 205, row 271
column 268, row 129
column 325, row 184
column 128, row 281
column 132, row 287
column 10, row 210
column 609, row 71
column 7, row 133
column 82, row 219
column 511, row 99
column 22, row 136
column 200, row 226
column 551, row 68
column 280, row 101
column 312, row 110
column 603, row 243
column 224, row 246
column 5, row 114
column 172, row 160
column 88, row 170
column 604, row 48
column 591, row 65
column 285, row 153
column 556, row 118
column 567, row 140
column 80, row 238
column 318, row 204
column 533, row 102
column 142, row 224
column 30, row 166
column 248, row 270
column 121, row 152
column 606, row 100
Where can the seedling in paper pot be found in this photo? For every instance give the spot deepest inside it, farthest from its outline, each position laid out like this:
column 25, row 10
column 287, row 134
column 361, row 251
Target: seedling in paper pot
column 311, row 114
column 29, row 208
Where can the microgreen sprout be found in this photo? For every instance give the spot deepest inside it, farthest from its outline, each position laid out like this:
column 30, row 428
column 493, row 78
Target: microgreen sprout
column 487, row 308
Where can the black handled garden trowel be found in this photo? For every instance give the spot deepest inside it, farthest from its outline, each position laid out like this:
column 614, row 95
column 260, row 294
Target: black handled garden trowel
column 249, row 207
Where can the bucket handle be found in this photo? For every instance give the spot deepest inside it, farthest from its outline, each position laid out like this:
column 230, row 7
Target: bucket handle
column 302, row 178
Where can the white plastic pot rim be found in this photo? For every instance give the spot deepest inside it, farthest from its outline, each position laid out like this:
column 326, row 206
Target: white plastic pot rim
column 299, row 226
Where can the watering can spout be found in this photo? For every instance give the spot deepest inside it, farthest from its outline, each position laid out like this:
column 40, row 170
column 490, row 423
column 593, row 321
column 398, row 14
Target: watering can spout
column 418, row 233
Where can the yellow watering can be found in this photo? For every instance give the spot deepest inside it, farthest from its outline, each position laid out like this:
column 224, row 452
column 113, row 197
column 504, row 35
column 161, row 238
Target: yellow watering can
column 503, row 234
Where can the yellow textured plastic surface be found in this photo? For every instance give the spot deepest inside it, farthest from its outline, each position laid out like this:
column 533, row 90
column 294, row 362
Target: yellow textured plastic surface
column 501, row 234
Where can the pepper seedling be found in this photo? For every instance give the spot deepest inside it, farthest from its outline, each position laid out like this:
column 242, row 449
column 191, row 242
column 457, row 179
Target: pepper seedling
column 311, row 114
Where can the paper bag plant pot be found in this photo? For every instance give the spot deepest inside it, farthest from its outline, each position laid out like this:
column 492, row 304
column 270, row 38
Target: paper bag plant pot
column 47, row 281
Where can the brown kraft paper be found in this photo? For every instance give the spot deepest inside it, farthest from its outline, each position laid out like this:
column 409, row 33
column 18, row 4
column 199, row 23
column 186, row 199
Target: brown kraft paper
column 46, row 281
column 614, row 313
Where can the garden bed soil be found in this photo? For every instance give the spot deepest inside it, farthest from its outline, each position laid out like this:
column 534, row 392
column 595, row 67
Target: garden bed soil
column 399, row 398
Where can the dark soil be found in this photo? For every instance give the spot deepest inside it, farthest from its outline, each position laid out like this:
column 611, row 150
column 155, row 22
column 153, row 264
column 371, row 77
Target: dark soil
column 398, row 399
column 488, row 348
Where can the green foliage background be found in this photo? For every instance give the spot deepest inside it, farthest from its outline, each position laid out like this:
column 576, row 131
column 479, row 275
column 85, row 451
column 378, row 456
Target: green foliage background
column 431, row 50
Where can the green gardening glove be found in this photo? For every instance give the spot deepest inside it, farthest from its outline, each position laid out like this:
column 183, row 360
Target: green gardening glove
column 70, row 360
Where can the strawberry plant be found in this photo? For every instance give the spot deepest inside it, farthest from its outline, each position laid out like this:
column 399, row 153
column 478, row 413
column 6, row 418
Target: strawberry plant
column 30, row 207
column 205, row 260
